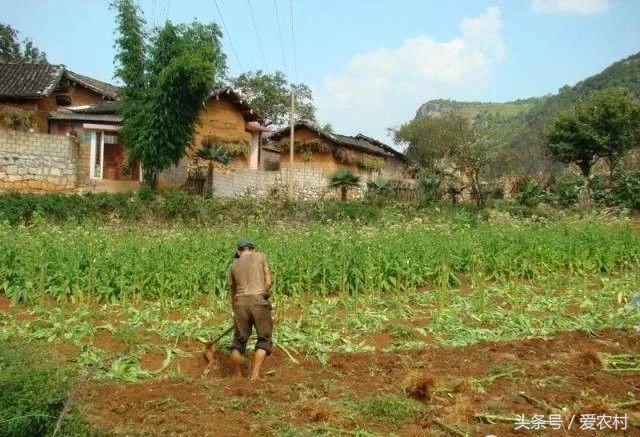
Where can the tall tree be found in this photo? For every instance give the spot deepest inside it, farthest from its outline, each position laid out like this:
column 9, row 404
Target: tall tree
column 167, row 76
column 452, row 146
column 475, row 153
column 270, row 95
column 605, row 125
column 431, row 139
column 12, row 50
column 616, row 115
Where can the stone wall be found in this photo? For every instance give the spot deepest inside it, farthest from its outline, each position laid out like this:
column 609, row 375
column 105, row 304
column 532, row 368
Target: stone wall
column 35, row 161
column 309, row 182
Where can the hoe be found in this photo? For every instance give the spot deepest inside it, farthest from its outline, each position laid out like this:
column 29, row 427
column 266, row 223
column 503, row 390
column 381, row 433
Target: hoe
column 209, row 347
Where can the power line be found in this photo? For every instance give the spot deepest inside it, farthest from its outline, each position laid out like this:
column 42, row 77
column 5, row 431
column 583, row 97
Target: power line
column 293, row 38
column 284, row 58
column 153, row 13
column 253, row 20
column 226, row 32
column 167, row 6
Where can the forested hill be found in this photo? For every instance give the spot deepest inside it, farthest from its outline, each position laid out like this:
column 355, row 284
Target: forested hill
column 624, row 73
column 470, row 110
column 521, row 124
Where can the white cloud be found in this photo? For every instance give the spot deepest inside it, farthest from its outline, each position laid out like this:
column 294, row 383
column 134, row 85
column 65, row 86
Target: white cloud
column 569, row 7
column 384, row 87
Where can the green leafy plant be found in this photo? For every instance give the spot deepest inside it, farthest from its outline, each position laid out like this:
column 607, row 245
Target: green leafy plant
column 389, row 407
column 211, row 154
column 428, row 188
column 34, row 392
column 530, row 195
column 344, row 179
column 626, row 190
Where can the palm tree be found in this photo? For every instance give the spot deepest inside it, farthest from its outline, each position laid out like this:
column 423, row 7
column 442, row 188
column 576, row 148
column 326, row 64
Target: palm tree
column 211, row 154
column 344, row 179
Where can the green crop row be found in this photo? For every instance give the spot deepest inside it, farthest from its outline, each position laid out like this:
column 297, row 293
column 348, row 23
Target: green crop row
column 111, row 263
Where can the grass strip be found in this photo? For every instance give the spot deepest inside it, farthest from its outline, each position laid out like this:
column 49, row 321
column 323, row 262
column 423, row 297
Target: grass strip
column 450, row 429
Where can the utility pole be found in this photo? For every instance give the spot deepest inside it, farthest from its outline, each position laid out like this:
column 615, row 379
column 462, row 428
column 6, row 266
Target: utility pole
column 291, row 134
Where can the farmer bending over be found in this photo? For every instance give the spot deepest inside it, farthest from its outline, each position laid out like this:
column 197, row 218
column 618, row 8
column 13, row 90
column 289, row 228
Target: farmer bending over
column 250, row 280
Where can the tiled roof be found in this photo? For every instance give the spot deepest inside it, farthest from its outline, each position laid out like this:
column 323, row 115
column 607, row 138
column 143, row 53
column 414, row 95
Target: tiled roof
column 104, row 88
column 33, row 81
column 359, row 142
column 29, row 80
column 237, row 99
column 386, row 147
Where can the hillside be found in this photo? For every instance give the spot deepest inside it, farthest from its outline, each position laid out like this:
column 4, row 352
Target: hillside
column 522, row 122
column 624, row 73
column 470, row 110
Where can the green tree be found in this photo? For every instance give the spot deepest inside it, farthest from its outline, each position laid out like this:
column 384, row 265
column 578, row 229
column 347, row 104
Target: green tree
column 270, row 95
column 616, row 115
column 344, row 179
column 605, row 125
column 431, row 139
column 327, row 127
column 167, row 76
column 211, row 153
column 12, row 50
column 478, row 149
column 453, row 148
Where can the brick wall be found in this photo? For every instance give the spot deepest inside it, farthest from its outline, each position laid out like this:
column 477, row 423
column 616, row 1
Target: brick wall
column 35, row 161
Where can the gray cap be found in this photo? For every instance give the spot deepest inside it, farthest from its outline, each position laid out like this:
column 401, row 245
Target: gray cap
column 246, row 243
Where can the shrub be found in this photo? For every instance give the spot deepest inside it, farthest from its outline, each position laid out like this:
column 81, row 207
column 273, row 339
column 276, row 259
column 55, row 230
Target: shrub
column 626, row 190
column 566, row 189
column 379, row 189
column 16, row 207
column 178, row 204
column 530, row 195
column 428, row 189
column 601, row 191
column 146, row 193
column 33, row 394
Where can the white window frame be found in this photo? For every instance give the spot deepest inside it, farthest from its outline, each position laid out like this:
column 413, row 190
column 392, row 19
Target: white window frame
column 94, row 151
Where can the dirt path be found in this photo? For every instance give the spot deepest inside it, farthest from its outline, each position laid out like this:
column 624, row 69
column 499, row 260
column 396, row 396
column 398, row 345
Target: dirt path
column 453, row 385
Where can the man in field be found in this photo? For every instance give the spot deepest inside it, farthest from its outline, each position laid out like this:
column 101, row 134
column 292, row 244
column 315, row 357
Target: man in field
column 250, row 281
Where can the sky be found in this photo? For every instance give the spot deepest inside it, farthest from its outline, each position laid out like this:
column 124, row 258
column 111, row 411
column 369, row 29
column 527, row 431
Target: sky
column 370, row 63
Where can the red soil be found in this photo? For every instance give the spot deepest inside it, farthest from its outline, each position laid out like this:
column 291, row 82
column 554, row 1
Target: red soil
column 5, row 303
column 442, row 378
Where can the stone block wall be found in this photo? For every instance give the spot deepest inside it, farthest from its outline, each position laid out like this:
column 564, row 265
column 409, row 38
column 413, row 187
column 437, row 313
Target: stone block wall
column 309, row 182
column 34, row 161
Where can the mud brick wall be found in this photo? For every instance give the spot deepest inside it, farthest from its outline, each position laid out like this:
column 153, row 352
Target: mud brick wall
column 37, row 162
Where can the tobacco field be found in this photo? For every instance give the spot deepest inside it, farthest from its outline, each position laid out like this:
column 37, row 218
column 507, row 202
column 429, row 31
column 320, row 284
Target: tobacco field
column 423, row 326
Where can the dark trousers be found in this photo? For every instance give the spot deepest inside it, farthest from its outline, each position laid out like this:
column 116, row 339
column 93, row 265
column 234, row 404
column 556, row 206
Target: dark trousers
column 250, row 311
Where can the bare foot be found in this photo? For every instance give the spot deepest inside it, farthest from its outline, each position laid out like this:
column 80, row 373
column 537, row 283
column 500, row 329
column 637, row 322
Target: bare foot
column 208, row 355
column 237, row 360
column 256, row 378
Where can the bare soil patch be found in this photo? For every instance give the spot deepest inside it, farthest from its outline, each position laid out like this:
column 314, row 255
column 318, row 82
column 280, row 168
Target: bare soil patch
column 454, row 384
column 5, row 303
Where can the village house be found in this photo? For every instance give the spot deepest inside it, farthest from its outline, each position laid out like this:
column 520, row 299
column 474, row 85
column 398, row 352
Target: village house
column 369, row 158
column 38, row 152
column 226, row 121
column 38, row 89
column 68, row 140
column 73, row 144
